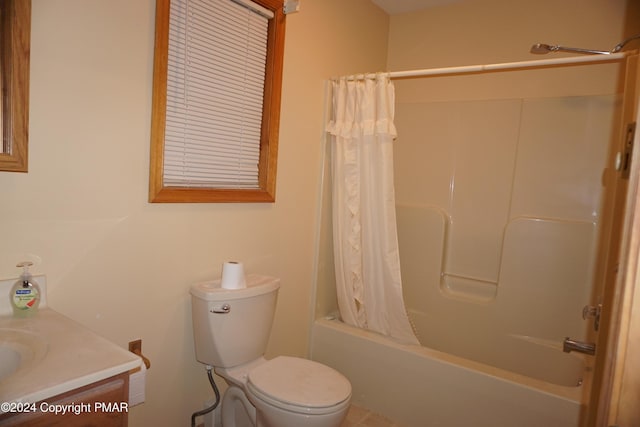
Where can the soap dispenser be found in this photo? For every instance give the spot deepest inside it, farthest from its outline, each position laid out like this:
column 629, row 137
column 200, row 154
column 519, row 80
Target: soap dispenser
column 25, row 293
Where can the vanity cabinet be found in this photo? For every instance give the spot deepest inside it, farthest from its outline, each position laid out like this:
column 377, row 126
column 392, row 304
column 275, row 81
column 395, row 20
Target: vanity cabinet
column 101, row 404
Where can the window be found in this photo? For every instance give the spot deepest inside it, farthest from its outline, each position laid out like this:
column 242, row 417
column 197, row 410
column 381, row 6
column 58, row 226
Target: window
column 216, row 100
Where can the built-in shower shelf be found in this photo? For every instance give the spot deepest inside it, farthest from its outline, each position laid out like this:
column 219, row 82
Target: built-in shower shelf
column 468, row 288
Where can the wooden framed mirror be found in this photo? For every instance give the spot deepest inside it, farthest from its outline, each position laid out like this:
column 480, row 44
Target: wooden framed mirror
column 15, row 40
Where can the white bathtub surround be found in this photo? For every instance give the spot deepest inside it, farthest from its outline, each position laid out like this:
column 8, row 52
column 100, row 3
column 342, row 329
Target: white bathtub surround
column 514, row 264
column 367, row 262
column 473, row 174
column 417, row 387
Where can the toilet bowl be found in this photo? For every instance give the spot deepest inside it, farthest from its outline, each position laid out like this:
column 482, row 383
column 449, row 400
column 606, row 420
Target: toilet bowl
column 231, row 329
column 287, row 392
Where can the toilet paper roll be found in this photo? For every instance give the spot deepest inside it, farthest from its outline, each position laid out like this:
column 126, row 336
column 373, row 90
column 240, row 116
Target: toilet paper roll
column 233, row 275
column 137, row 385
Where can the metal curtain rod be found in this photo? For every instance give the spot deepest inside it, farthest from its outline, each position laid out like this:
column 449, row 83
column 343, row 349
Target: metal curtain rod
column 467, row 69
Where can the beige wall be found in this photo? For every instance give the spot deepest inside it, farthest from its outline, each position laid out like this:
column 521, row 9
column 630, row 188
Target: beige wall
column 122, row 266
column 494, row 31
column 487, row 31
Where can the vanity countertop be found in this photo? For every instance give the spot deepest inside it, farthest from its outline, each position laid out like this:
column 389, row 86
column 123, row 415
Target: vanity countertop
column 64, row 355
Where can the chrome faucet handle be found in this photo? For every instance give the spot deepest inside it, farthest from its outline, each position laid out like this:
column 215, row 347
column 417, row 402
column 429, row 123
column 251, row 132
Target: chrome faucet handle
column 569, row 345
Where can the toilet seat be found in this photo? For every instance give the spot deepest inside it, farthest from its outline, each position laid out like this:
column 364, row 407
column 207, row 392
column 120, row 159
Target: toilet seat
column 299, row 385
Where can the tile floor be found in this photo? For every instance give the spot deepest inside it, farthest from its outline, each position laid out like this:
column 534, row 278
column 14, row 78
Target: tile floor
column 360, row 417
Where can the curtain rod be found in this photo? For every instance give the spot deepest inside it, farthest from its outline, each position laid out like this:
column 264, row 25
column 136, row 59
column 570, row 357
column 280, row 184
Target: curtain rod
column 467, row 69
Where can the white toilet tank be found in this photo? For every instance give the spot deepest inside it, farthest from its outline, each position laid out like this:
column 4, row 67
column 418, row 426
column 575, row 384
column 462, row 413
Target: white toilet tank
column 232, row 326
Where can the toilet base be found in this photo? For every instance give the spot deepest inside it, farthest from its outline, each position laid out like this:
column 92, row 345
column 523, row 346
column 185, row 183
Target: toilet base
column 236, row 410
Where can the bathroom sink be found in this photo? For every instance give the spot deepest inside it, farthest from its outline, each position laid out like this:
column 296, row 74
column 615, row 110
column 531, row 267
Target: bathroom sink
column 9, row 361
column 19, row 349
column 48, row 354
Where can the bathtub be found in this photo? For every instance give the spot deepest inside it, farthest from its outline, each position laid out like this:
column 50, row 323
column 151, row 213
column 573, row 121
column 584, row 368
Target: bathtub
column 421, row 387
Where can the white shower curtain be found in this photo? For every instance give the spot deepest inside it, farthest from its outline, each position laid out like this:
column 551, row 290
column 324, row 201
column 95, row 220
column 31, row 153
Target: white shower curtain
column 365, row 239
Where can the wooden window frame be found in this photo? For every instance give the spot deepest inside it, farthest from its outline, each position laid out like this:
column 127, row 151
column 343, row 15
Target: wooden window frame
column 158, row 193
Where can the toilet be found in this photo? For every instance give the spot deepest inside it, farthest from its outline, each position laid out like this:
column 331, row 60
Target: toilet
column 231, row 329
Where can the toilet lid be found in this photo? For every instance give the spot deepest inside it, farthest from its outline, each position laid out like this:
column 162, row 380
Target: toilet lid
column 299, row 382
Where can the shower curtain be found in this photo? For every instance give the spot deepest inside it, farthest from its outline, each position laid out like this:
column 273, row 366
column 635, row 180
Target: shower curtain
column 366, row 255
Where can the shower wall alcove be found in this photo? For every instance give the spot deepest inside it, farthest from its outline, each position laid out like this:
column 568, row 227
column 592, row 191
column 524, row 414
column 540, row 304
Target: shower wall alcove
column 500, row 184
column 498, row 206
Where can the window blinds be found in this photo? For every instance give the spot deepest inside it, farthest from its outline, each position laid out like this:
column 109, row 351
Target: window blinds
column 215, row 83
